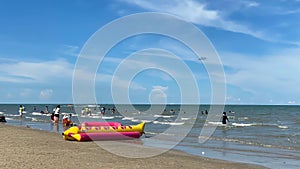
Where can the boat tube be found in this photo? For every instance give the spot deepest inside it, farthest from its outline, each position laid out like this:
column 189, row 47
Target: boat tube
column 103, row 131
column 116, row 124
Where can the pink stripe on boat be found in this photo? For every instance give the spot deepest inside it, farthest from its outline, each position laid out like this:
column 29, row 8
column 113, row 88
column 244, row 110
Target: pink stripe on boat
column 109, row 136
column 116, row 124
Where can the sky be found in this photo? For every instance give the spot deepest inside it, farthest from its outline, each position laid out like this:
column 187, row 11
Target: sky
column 258, row 43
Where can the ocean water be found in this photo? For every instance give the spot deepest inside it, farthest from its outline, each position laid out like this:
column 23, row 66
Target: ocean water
column 267, row 135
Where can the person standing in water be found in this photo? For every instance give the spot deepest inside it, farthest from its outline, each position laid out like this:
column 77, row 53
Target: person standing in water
column 47, row 110
column 56, row 114
column 88, row 111
column 21, row 110
column 67, row 120
column 103, row 110
column 224, row 118
column 113, row 110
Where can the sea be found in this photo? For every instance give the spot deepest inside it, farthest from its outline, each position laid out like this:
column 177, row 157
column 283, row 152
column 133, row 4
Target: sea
column 267, row 135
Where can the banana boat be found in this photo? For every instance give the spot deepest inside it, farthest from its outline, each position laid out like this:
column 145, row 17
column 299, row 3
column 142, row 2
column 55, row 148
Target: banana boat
column 89, row 131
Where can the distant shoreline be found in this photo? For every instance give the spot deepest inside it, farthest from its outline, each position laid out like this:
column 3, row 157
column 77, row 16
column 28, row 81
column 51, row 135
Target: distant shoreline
column 146, row 104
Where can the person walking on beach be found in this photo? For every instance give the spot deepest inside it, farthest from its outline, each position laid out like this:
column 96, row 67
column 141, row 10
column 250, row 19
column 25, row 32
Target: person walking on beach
column 21, row 109
column 56, row 114
column 224, row 118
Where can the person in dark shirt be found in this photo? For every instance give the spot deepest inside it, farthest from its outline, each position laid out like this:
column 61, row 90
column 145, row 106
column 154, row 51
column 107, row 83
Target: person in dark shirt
column 224, row 118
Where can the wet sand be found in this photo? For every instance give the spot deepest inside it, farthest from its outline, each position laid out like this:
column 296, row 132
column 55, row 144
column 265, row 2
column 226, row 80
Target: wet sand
column 22, row 147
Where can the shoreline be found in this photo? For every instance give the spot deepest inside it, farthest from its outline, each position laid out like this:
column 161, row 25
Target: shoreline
column 23, row 147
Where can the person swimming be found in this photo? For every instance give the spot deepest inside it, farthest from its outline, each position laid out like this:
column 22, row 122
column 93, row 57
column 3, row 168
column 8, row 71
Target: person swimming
column 172, row 111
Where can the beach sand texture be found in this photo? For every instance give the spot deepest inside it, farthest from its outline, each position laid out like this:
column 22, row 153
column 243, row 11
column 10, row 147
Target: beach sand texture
column 22, row 147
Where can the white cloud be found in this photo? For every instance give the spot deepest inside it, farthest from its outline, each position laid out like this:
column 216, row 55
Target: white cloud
column 35, row 72
column 276, row 74
column 232, row 99
column 25, row 92
column 198, row 13
column 160, row 88
column 46, row 93
column 71, row 50
column 190, row 10
column 157, row 74
column 159, row 61
column 291, row 102
column 250, row 3
column 137, row 86
column 124, row 84
column 158, row 94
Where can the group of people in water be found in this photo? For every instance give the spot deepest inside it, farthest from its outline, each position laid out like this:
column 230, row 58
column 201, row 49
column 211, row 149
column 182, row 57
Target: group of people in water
column 66, row 120
column 88, row 111
column 67, row 117
column 224, row 116
column 54, row 115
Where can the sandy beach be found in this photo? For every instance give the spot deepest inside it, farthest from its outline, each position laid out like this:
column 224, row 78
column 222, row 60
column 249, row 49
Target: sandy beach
column 22, row 147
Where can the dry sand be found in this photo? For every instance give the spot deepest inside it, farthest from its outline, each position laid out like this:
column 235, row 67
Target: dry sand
column 22, row 147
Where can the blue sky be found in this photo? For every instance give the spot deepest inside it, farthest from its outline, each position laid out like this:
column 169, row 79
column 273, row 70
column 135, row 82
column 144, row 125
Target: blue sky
column 258, row 43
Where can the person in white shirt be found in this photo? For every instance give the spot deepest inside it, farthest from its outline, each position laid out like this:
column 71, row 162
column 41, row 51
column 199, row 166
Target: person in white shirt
column 56, row 114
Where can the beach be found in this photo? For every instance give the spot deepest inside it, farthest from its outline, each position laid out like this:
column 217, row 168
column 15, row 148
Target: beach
column 24, row 147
